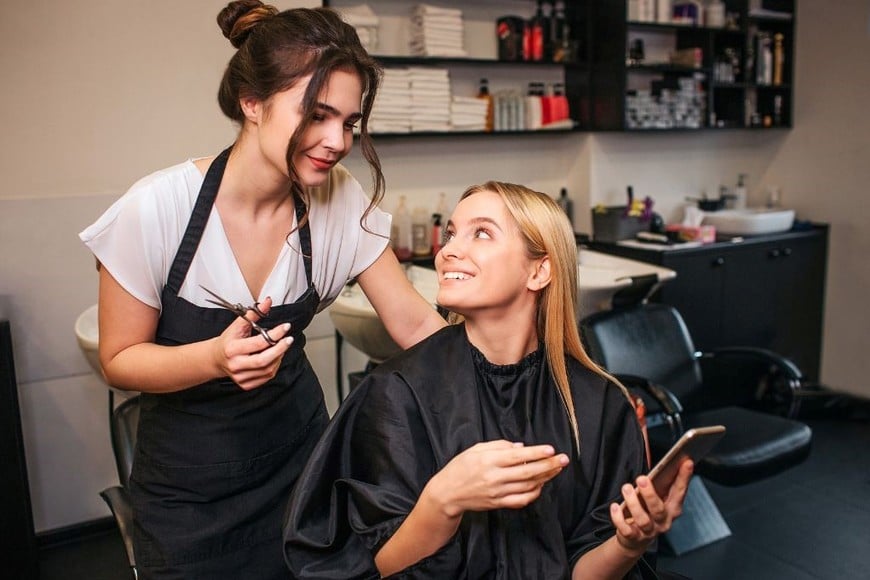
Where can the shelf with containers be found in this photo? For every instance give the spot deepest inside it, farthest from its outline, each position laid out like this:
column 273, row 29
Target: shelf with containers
column 670, row 75
column 507, row 80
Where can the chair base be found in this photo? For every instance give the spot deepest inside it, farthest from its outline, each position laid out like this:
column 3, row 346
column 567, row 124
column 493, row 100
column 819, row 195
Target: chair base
column 700, row 524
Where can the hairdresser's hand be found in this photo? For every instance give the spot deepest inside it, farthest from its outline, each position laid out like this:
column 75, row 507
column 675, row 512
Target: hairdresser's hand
column 248, row 359
column 650, row 515
column 492, row 475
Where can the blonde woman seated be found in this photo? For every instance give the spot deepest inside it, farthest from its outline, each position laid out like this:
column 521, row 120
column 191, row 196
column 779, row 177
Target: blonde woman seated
column 495, row 448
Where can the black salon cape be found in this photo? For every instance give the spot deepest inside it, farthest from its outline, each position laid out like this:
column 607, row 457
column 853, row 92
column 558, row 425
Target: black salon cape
column 413, row 414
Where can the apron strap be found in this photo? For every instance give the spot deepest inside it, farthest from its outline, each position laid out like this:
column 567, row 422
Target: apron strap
column 304, row 235
column 198, row 219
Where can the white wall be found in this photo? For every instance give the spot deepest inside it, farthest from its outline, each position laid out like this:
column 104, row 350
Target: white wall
column 97, row 93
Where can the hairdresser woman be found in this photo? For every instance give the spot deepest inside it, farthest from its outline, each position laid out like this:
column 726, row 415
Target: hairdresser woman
column 228, row 419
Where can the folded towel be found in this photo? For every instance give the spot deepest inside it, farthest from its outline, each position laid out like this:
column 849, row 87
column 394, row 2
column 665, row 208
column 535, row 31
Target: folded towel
column 436, row 10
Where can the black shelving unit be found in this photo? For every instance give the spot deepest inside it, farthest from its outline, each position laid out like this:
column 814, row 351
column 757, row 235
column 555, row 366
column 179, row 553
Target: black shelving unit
column 598, row 82
column 739, row 99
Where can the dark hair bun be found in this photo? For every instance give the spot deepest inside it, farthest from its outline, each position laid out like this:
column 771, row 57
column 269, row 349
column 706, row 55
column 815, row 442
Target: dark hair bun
column 240, row 17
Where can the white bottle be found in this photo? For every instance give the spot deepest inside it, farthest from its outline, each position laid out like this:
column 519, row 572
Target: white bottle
column 740, row 193
column 421, row 236
column 403, row 227
column 534, row 113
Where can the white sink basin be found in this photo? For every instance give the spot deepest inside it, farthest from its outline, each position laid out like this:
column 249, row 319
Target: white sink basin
column 355, row 318
column 751, row 221
column 601, row 276
column 88, row 336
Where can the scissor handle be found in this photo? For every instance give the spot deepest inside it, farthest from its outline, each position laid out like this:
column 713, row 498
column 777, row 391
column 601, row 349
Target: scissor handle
column 262, row 332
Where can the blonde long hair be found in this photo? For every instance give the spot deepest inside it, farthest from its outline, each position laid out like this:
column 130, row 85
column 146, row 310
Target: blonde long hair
column 546, row 231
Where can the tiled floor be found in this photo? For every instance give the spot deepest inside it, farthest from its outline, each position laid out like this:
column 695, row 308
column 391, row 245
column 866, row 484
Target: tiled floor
column 810, row 523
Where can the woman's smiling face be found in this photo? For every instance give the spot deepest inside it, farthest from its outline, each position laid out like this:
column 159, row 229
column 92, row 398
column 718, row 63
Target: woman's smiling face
column 483, row 266
column 327, row 140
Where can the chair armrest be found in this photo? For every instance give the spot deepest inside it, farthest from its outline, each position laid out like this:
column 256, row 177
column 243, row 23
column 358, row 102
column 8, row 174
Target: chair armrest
column 668, row 403
column 786, row 365
column 118, row 499
column 774, row 388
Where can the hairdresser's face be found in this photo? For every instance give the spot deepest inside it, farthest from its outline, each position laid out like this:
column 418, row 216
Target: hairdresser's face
column 329, row 137
column 483, row 265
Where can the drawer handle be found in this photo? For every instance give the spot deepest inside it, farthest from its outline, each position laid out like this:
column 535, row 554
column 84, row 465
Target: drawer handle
column 718, row 262
column 774, row 254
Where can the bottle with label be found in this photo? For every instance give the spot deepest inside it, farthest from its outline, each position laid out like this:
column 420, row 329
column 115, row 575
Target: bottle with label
column 420, row 234
column 535, row 35
column 437, row 233
column 546, row 104
column 402, row 219
column 560, row 110
column 484, row 94
column 778, row 58
column 534, row 112
column 567, row 205
column 441, row 208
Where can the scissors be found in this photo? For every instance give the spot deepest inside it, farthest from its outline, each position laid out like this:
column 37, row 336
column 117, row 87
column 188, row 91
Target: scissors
column 241, row 311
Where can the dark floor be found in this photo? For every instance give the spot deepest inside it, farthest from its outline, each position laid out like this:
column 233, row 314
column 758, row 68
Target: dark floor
column 812, row 522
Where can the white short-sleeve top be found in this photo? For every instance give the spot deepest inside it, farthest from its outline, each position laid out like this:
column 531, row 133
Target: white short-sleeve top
column 137, row 238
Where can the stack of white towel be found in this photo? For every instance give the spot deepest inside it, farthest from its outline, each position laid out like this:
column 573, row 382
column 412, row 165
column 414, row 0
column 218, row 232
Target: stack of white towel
column 366, row 23
column 437, row 32
column 430, row 99
column 392, row 110
column 468, row 114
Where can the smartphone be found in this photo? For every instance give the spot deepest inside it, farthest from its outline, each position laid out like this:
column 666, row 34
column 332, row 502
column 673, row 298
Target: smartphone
column 694, row 444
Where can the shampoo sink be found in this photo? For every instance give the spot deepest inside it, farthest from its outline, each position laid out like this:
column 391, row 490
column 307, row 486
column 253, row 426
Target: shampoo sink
column 751, row 221
column 355, row 318
column 88, row 337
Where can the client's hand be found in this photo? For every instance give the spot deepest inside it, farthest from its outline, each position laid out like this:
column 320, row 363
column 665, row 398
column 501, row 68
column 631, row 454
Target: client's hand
column 645, row 514
column 492, row 475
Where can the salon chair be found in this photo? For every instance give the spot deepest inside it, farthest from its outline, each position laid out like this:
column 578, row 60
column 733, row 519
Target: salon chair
column 752, row 392
column 123, row 422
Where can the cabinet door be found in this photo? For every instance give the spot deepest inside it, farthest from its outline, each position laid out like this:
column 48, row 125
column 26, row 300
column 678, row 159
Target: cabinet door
column 697, row 293
column 752, row 286
column 800, row 270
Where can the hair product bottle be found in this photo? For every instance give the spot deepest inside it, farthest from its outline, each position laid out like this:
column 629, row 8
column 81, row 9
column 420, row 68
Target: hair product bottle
column 534, row 112
column 403, row 230
column 484, row 94
column 437, row 233
column 420, row 234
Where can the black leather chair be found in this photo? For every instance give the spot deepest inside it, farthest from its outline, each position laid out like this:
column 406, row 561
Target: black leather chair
column 123, row 422
column 649, row 348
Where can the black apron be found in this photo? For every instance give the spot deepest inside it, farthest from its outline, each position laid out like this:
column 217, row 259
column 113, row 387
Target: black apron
column 215, row 464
